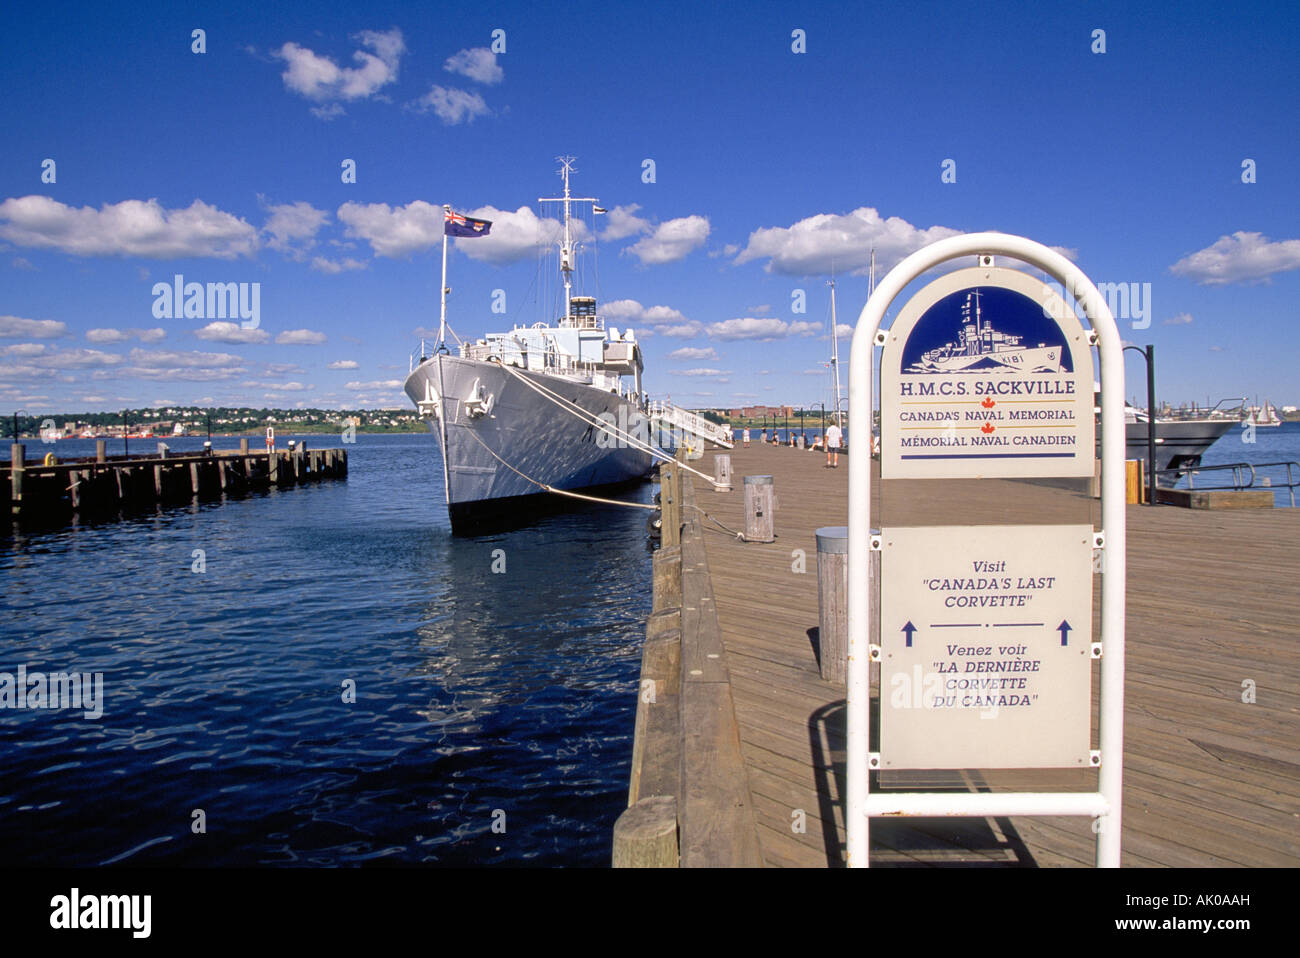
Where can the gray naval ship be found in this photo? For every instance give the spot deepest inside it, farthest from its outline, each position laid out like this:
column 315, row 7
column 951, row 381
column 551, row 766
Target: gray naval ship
column 540, row 410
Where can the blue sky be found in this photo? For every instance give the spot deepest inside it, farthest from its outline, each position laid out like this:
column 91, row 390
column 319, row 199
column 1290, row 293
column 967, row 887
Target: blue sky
column 771, row 169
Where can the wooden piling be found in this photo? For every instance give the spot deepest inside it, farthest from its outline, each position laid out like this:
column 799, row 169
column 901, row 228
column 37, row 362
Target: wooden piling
column 17, row 466
column 760, row 503
column 645, row 836
column 833, row 602
column 722, row 473
column 101, row 450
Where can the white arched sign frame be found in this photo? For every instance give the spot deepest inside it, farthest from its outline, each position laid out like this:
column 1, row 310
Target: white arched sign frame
column 1104, row 805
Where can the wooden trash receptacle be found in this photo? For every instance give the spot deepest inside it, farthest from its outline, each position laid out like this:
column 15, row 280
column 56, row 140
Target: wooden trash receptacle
column 760, row 503
column 722, row 473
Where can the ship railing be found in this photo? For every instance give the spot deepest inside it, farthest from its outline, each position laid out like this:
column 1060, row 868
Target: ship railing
column 419, row 355
column 1245, row 475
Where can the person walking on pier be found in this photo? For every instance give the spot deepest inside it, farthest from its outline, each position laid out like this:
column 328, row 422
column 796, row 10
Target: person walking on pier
column 745, row 438
column 832, row 446
column 763, row 437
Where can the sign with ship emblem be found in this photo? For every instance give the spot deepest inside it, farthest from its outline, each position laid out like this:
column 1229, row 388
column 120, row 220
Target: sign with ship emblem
column 986, row 646
column 986, row 373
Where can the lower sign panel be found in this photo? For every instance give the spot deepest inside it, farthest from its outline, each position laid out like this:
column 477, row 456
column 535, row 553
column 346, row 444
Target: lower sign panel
column 986, row 634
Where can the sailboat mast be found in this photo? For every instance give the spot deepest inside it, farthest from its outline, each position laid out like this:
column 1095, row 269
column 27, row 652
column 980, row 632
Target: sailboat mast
column 835, row 356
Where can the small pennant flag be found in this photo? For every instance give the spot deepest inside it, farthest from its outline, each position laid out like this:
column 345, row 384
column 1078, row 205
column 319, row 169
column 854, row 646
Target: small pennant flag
column 456, row 225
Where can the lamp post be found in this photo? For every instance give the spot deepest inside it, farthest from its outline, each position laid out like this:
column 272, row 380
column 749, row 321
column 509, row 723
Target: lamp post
column 1150, row 353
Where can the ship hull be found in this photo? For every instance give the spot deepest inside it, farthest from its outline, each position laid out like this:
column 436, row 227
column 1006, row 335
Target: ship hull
column 499, row 438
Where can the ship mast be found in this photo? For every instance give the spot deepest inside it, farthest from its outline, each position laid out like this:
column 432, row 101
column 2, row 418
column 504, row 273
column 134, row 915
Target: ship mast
column 567, row 247
column 835, row 356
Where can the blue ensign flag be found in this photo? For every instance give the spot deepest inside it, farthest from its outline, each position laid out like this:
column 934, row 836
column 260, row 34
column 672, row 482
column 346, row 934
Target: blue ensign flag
column 457, row 225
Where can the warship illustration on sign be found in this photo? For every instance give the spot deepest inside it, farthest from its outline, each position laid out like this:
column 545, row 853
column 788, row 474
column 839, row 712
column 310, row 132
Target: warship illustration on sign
column 981, row 348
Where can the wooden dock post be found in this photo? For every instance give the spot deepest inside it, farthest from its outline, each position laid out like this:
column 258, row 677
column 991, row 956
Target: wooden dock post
column 645, row 835
column 833, row 602
column 273, row 467
column 17, row 463
column 722, row 473
column 760, row 502
column 670, row 503
column 243, row 445
column 101, row 450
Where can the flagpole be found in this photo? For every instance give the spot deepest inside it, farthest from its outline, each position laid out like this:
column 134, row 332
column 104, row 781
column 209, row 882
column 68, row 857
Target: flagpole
column 442, row 319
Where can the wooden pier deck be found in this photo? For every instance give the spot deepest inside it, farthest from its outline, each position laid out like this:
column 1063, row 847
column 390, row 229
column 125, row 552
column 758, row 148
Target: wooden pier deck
column 1213, row 602
column 104, row 486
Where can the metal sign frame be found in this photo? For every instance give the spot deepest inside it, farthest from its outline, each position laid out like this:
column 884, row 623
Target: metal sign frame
column 1105, row 805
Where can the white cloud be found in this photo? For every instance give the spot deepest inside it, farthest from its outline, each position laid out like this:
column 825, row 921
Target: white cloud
column 15, row 327
column 224, row 332
column 479, row 64
column 24, row 349
column 394, row 231
column 624, row 310
column 452, row 105
column 514, row 236
column 320, row 79
column 761, row 328
column 129, row 228
column 292, row 387
column 332, row 267
column 701, row 372
column 843, row 243
column 343, row 364
column 375, row 384
column 191, row 374
column 1243, row 257
column 621, row 222
column 293, row 226
column 671, row 240
column 159, row 359
column 1182, row 319
column 300, row 337
column 106, row 336
column 694, row 352
column 12, row 371
column 687, row 330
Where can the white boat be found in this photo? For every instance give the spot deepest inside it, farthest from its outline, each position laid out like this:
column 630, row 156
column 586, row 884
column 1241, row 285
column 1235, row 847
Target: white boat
column 1180, row 443
column 538, row 411
column 1264, row 417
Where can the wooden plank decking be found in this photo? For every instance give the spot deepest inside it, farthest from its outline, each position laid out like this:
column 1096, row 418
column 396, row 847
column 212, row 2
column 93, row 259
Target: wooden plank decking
column 1213, row 601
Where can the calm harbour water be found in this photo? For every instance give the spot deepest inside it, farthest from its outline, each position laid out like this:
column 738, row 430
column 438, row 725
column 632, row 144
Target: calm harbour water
column 482, row 699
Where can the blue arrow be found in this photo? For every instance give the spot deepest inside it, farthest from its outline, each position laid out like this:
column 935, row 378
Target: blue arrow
column 909, row 629
column 1064, row 629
